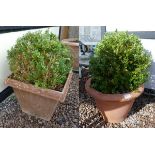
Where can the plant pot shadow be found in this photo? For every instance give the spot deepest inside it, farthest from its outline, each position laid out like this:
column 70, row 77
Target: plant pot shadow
column 141, row 102
column 98, row 119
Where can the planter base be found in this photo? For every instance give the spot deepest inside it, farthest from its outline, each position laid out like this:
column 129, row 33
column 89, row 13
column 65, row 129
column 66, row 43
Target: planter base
column 114, row 112
column 36, row 105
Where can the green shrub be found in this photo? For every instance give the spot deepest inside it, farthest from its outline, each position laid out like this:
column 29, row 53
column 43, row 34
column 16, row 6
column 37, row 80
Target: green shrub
column 40, row 59
column 120, row 63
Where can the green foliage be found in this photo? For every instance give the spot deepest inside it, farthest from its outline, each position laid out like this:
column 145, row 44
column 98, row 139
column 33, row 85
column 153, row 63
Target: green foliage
column 120, row 63
column 41, row 59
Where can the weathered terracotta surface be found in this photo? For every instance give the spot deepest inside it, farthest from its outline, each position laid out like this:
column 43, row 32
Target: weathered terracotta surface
column 74, row 46
column 37, row 101
column 114, row 107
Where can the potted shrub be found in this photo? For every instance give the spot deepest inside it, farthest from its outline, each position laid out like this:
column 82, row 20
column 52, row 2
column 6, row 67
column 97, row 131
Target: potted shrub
column 41, row 72
column 73, row 44
column 118, row 71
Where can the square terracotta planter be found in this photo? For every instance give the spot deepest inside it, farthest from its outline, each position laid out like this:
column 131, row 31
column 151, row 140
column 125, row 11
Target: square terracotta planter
column 74, row 48
column 37, row 101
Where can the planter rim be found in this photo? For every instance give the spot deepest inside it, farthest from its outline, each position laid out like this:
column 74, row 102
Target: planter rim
column 71, row 41
column 113, row 97
column 49, row 93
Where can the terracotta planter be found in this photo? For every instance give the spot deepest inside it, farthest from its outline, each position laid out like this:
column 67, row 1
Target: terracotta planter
column 74, row 47
column 37, row 101
column 114, row 107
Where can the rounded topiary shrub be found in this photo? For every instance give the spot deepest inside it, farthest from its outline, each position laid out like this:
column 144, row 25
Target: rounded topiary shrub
column 120, row 63
column 40, row 59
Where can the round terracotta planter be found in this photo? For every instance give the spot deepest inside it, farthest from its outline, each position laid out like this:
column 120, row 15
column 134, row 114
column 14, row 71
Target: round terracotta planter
column 114, row 107
column 74, row 47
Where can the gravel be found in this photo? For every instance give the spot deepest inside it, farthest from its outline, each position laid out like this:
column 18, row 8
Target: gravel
column 65, row 116
column 78, row 110
column 142, row 114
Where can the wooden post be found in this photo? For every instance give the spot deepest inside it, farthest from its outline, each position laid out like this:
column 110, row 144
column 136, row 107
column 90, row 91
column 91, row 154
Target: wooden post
column 64, row 34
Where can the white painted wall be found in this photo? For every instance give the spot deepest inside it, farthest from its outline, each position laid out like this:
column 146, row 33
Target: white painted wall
column 149, row 44
column 6, row 41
